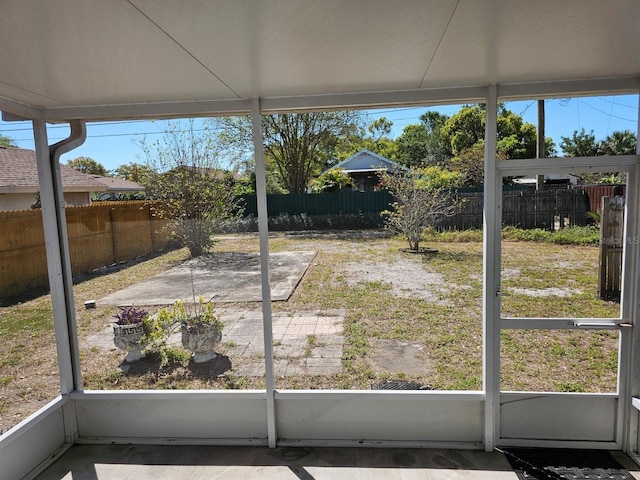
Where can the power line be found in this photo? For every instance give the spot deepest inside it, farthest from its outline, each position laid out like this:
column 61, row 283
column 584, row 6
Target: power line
column 98, row 124
column 606, row 99
column 120, row 134
column 526, row 108
column 124, row 122
column 605, row 113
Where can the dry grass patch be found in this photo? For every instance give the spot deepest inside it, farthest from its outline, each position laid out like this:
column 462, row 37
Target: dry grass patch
column 432, row 302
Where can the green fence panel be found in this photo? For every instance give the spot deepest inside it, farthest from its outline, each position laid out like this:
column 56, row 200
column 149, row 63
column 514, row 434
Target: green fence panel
column 344, row 202
column 522, row 208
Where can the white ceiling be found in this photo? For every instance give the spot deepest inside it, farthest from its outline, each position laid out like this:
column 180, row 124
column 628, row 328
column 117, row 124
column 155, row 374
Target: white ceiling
column 117, row 58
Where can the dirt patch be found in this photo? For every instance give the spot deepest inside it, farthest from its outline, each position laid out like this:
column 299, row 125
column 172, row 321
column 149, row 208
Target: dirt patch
column 509, row 273
column 547, row 292
column 406, row 276
column 400, row 357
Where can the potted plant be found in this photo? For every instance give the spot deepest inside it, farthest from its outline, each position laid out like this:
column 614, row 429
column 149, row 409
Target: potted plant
column 201, row 327
column 129, row 331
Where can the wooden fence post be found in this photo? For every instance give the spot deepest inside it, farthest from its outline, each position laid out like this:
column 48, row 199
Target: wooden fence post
column 611, row 246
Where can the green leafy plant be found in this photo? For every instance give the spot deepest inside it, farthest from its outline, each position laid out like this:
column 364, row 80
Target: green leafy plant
column 331, row 181
column 130, row 315
column 192, row 316
column 161, row 326
column 170, row 319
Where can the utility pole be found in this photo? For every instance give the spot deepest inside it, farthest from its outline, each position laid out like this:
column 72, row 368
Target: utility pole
column 540, row 153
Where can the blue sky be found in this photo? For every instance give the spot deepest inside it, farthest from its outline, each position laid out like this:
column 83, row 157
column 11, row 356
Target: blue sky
column 115, row 144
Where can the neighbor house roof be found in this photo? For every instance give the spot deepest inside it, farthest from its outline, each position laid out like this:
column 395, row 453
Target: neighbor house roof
column 118, row 184
column 366, row 161
column 19, row 174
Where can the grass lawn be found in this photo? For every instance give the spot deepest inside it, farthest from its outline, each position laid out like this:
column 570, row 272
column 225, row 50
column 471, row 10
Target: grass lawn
column 432, row 302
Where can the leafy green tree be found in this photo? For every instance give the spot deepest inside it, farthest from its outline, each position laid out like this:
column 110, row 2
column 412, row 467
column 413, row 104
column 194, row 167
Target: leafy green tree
column 424, row 144
column 135, row 172
column 244, row 186
column 88, row 165
column 375, row 138
column 469, row 163
column 299, row 144
column 6, row 142
column 580, row 144
column 516, row 138
column 380, row 128
column 465, row 129
column 435, row 177
column 412, row 145
column 192, row 188
column 379, row 140
column 331, row 181
column 419, row 202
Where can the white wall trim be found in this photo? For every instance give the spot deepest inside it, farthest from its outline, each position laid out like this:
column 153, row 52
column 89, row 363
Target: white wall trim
column 353, row 100
column 534, row 166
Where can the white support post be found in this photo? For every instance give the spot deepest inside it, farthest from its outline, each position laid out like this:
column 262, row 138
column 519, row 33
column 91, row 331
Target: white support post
column 491, row 274
column 629, row 370
column 263, row 229
column 59, row 268
column 76, row 138
column 629, row 346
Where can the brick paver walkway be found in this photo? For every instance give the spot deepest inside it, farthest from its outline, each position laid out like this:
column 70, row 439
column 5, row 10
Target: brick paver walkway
column 303, row 343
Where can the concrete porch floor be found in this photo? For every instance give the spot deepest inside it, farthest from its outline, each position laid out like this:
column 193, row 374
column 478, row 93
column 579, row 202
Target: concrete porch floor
column 143, row 462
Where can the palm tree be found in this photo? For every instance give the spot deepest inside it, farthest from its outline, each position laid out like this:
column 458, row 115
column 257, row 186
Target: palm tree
column 619, row 143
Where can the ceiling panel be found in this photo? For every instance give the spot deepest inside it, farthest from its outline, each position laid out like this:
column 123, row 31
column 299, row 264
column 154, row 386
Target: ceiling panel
column 273, row 47
column 98, row 53
column 95, row 52
column 538, row 41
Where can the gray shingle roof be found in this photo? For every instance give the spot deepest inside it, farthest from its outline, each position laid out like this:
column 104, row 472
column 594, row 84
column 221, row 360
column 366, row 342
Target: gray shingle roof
column 19, row 174
column 118, row 184
column 366, row 161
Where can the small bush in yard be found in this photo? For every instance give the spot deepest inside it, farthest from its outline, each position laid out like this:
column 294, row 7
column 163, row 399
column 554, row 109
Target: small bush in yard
column 422, row 199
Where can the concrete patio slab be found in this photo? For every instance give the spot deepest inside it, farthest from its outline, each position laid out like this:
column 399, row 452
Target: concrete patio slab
column 223, row 277
column 111, row 462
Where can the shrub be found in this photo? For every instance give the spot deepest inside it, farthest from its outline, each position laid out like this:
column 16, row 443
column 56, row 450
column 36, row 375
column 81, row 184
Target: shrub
column 421, row 201
column 331, row 181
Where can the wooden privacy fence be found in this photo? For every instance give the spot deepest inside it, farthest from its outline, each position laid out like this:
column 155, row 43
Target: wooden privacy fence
column 611, row 247
column 113, row 232
column 548, row 209
column 99, row 235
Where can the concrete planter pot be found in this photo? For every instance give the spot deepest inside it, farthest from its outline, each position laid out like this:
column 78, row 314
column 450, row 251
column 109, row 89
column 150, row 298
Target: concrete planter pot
column 130, row 339
column 201, row 339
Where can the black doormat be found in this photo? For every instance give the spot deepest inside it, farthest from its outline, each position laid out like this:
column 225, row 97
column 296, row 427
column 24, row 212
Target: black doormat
column 565, row 464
